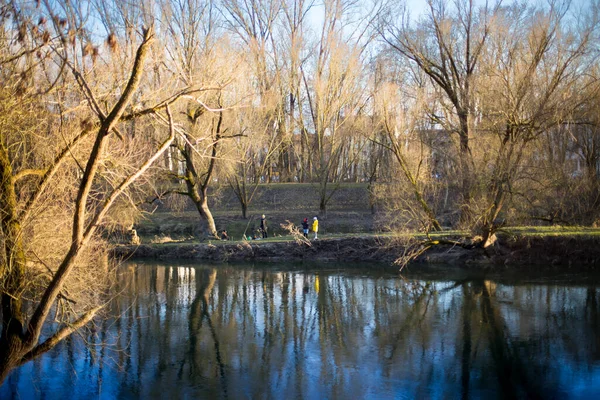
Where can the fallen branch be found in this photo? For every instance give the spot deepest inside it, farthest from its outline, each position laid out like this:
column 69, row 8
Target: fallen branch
column 294, row 231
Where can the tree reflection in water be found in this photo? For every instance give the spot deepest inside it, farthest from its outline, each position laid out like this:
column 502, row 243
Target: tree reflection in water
column 241, row 331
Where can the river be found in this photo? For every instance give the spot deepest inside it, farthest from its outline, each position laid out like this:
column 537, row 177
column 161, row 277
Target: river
column 279, row 331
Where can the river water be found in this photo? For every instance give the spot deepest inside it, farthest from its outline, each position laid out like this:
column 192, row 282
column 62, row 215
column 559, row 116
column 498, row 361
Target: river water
column 280, row 331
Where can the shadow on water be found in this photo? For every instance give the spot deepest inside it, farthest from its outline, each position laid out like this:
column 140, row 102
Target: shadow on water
column 276, row 331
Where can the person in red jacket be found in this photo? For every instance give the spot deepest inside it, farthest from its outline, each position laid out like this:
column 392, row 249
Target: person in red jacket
column 305, row 227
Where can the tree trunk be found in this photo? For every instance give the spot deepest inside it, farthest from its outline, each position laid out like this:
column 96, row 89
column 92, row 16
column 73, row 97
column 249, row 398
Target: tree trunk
column 19, row 338
column 323, row 195
column 11, row 354
column 244, row 210
column 11, row 271
column 197, row 190
column 200, row 199
column 372, row 198
column 206, row 214
column 323, row 206
column 466, row 213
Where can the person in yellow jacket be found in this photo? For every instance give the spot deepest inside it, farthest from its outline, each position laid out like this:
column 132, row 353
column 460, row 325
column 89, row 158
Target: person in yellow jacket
column 315, row 226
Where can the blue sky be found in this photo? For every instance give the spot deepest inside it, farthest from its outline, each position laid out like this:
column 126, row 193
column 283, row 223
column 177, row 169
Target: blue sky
column 417, row 7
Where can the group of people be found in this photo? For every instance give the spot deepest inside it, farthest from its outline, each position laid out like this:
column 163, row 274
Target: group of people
column 305, row 227
column 314, row 227
column 263, row 230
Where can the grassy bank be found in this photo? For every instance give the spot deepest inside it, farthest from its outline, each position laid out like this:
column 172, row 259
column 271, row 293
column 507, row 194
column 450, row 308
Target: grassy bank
column 570, row 250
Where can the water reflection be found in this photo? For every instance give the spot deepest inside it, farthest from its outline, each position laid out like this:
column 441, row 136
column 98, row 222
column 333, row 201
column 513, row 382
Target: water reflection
column 240, row 331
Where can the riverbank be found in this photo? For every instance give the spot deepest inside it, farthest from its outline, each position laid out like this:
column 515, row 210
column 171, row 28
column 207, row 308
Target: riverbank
column 564, row 251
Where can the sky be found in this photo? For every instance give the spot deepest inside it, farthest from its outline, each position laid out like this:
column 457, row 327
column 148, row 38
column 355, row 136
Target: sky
column 418, row 7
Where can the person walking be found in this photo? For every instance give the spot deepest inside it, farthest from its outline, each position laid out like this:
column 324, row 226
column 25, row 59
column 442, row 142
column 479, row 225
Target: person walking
column 305, row 227
column 263, row 226
column 315, row 226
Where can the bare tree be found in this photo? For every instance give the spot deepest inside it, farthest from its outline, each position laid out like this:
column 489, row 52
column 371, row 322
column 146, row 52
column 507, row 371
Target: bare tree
column 74, row 176
column 192, row 36
column 447, row 46
column 399, row 114
column 532, row 70
column 254, row 23
column 334, row 93
column 291, row 46
column 253, row 151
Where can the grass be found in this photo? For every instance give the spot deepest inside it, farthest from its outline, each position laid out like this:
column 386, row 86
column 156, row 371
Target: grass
column 541, row 231
column 523, row 231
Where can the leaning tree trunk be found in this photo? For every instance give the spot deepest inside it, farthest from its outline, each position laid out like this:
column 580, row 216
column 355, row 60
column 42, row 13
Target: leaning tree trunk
column 11, row 271
column 200, row 198
column 197, row 187
column 19, row 342
column 206, row 215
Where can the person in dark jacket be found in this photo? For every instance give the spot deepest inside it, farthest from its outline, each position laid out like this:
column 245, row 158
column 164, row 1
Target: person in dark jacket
column 305, row 227
column 263, row 226
column 224, row 235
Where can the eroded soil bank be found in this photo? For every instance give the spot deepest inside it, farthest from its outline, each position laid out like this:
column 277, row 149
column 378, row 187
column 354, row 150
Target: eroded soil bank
column 552, row 252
